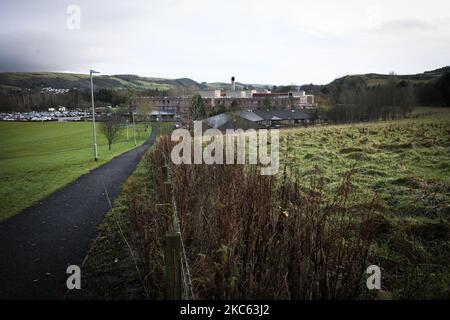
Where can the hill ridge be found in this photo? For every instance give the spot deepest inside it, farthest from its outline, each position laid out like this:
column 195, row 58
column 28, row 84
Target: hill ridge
column 63, row 80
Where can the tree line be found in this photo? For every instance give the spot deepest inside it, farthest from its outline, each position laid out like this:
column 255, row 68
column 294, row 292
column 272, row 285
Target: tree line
column 28, row 100
column 435, row 93
column 393, row 100
column 36, row 100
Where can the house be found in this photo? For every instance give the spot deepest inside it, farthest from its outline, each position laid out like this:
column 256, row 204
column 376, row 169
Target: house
column 257, row 119
column 163, row 115
column 270, row 118
column 229, row 120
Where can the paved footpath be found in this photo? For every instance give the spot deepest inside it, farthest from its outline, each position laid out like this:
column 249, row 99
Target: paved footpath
column 37, row 245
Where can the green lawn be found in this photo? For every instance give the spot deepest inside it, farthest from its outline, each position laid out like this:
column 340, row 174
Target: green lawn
column 412, row 156
column 406, row 164
column 39, row 158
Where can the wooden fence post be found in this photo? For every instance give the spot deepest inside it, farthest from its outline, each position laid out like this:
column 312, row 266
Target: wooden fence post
column 173, row 266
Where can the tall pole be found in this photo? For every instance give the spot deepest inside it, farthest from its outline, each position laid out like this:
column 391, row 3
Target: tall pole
column 132, row 115
column 134, row 129
column 127, row 130
column 93, row 115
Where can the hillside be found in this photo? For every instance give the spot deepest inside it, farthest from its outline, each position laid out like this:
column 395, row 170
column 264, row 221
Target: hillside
column 59, row 80
column 375, row 79
column 39, row 80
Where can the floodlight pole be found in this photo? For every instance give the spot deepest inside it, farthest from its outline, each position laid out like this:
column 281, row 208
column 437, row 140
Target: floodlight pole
column 93, row 114
column 127, row 129
column 134, row 129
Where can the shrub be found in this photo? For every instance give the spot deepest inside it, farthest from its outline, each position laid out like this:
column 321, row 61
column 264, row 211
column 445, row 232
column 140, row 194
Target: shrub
column 249, row 236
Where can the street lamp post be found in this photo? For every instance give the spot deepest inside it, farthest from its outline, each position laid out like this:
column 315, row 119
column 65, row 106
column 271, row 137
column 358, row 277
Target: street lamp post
column 127, row 129
column 93, row 114
column 134, row 129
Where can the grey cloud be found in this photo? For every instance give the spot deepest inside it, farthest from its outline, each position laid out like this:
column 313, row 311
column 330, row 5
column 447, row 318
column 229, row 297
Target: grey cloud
column 41, row 51
column 406, row 25
column 207, row 40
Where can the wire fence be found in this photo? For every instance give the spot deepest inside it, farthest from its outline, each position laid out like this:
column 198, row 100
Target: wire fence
column 179, row 262
column 186, row 277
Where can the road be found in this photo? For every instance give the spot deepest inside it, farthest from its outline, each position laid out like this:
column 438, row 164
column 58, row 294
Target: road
column 37, row 245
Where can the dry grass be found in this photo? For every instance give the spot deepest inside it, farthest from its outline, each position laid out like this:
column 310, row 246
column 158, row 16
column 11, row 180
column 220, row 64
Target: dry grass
column 254, row 237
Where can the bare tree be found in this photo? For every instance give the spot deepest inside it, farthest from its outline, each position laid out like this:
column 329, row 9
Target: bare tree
column 197, row 109
column 110, row 127
column 144, row 109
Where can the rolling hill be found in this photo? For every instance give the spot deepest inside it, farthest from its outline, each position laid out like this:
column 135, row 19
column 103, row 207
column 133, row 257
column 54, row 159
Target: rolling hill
column 59, row 80
column 39, row 80
column 375, row 79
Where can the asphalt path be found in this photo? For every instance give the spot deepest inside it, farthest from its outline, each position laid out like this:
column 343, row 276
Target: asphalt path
column 38, row 244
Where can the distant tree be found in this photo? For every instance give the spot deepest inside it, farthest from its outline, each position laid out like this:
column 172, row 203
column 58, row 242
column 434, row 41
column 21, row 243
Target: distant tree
column 144, row 108
column 266, row 103
column 143, row 111
column 315, row 114
column 443, row 87
column 110, row 96
column 197, row 108
column 216, row 110
column 110, row 127
column 289, row 88
column 291, row 102
column 234, row 105
column 129, row 93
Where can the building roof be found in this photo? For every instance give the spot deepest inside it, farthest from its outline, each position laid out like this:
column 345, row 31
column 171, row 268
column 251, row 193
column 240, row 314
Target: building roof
column 251, row 116
column 251, row 119
column 225, row 121
column 166, row 112
column 270, row 94
column 274, row 115
column 218, row 120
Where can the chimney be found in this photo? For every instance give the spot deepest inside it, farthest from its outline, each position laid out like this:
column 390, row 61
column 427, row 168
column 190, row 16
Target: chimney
column 233, row 84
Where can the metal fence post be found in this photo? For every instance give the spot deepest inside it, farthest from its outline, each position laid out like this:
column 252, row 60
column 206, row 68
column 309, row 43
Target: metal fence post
column 173, row 266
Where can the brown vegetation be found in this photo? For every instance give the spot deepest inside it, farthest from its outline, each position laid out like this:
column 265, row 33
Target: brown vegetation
column 249, row 236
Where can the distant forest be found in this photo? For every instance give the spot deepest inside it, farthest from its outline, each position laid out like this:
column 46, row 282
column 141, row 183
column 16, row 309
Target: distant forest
column 354, row 102
column 28, row 100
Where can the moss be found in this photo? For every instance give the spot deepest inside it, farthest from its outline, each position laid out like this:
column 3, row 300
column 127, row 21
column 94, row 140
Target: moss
column 430, row 231
column 358, row 156
column 382, row 225
column 407, row 181
column 350, row 150
column 396, row 146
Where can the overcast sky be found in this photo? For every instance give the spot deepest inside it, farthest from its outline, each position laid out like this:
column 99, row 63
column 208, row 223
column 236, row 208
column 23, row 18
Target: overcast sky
column 261, row 41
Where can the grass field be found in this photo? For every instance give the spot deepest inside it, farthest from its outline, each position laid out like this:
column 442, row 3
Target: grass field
column 39, row 158
column 406, row 164
column 385, row 155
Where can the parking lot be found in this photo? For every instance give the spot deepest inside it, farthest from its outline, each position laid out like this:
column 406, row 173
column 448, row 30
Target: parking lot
column 44, row 116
